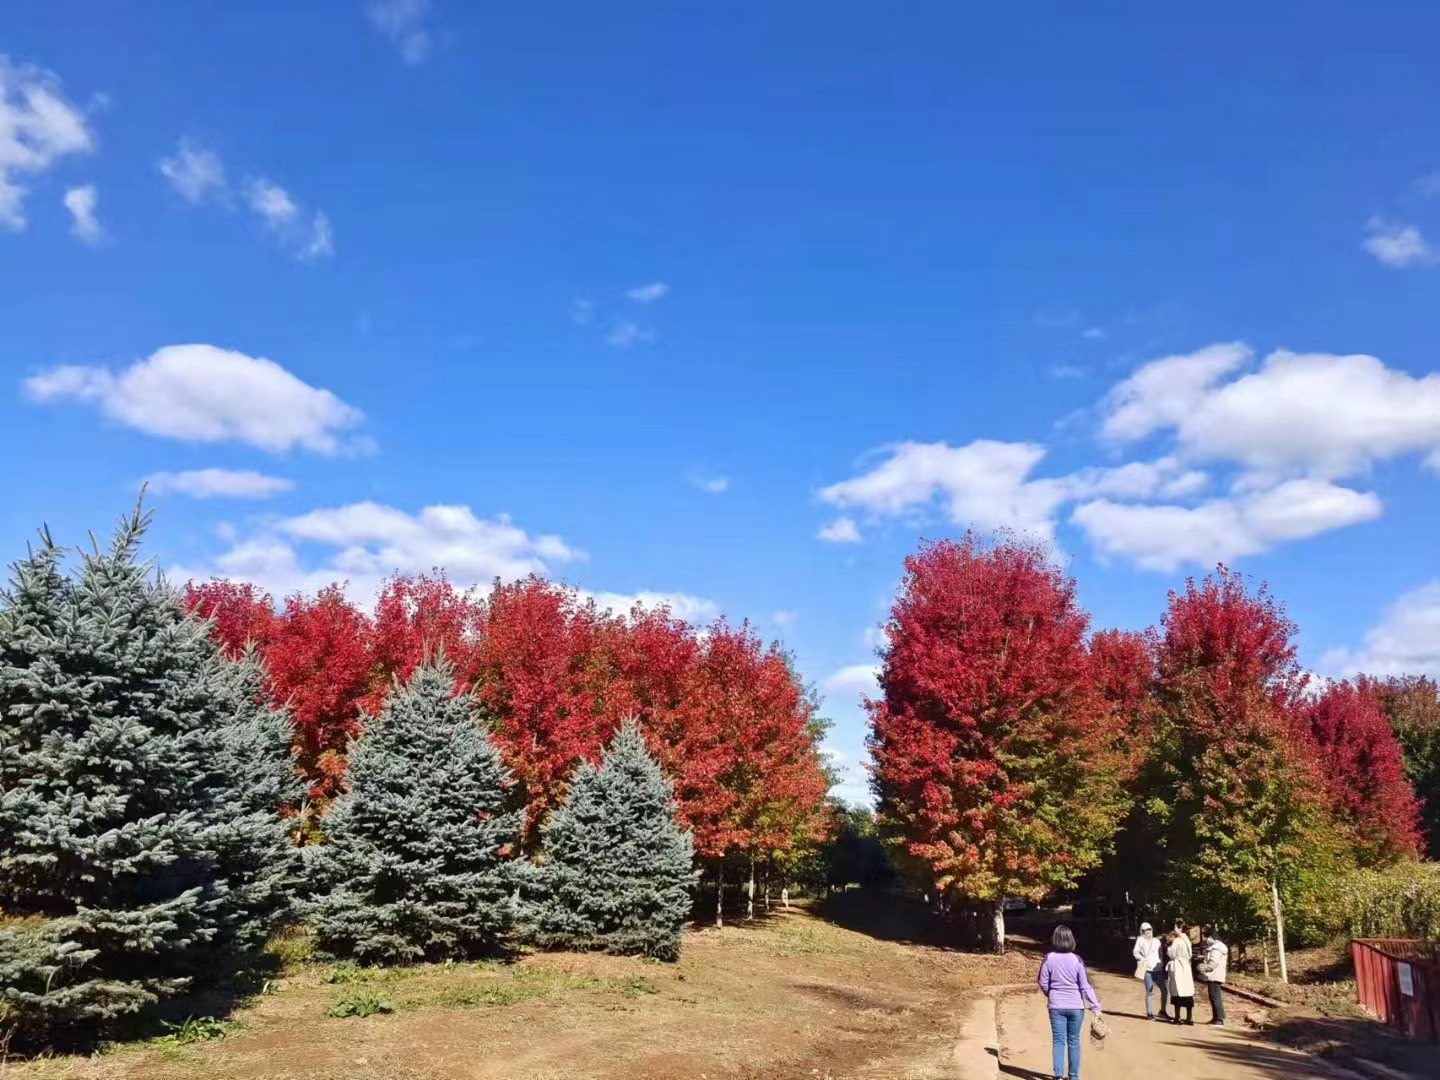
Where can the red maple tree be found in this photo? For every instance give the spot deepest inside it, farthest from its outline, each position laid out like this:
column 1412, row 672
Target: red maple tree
column 995, row 760
column 1360, row 760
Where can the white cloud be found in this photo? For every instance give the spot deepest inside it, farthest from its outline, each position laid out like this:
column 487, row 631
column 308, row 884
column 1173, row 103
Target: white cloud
column 696, row 610
column 364, row 543
column 982, row 483
column 855, row 680
column 648, row 294
column 85, row 223
column 1299, row 414
column 38, row 126
column 627, row 333
column 1165, row 537
column 196, row 174
column 271, row 203
column 1163, row 392
column 842, row 530
column 1093, row 333
column 987, row 485
column 404, row 22
column 321, row 241
column 582, row 312
column 1396, row 244
column 207, row 394
column 785, row 617
column 219, row 483
column 1406, row 641
column 711, row 485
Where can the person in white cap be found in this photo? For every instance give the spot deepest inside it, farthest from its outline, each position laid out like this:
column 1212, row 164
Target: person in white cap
column 1147, row 967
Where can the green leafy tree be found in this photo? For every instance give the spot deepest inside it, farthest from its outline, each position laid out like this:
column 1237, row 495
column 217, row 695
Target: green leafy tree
column 617, row 870
column 418, row 859
column 1235, row 800
column 129, row 869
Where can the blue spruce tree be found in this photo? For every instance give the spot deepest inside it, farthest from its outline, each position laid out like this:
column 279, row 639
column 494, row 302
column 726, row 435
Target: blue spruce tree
column 253, row 780
column 416, row 863
column 126, row 871
column 617, row 871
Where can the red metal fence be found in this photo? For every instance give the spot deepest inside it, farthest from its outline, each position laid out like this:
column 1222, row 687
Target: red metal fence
column 1399, row 980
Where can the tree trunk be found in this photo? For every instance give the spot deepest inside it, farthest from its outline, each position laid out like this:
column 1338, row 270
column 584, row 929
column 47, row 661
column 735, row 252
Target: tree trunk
column 1265, row 954
column 750, row 891
column 1279, row 930
column 767, row 892
column 997, row 926
column 785, row 896
column 720, row 894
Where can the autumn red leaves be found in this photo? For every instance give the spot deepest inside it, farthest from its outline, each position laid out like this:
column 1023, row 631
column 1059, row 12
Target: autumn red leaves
column 1013, row 745
column 553, row 676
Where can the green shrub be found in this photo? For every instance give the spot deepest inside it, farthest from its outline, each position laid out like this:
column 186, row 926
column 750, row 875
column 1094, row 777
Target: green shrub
column 1401, row 901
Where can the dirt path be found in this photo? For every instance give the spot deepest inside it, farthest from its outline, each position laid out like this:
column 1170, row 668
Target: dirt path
column 1146, row 1050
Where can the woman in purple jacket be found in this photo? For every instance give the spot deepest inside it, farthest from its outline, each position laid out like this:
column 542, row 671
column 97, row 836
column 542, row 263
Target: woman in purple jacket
column 1067, row 991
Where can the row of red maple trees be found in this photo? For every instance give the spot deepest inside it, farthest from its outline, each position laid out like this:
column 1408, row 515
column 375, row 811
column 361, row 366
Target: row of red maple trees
column 1016, row 751
column 554, row 675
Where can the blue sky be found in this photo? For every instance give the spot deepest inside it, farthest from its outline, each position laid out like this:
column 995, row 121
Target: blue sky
column 735, row 306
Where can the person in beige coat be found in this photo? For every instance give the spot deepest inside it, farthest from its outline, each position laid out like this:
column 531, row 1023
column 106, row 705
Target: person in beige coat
column 1179, row 977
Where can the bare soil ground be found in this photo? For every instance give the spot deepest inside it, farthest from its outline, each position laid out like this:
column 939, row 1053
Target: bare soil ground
column 860, row 993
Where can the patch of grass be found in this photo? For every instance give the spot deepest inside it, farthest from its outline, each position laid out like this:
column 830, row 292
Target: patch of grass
column 292, row 946
column 359, row 1003
column 195, row 1029
column 637, row 985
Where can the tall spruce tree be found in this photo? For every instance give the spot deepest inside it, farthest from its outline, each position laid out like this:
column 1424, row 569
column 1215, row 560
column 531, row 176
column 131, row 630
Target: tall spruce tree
column 417, row 862
column 617, row 872
column 254, row 781
column 117, row 828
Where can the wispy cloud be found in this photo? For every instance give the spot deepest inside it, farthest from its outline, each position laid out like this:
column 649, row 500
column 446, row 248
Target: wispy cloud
column 38, row 126
column 842, row 530
column 406, row 24
column 198, row 176
column 626, row 333
column 648, row 294
column 219, row 484
column 711, row 485
column 195, row 173
column 582, row 312
column 85, row 223
column 1397, row 244
column 270, row 202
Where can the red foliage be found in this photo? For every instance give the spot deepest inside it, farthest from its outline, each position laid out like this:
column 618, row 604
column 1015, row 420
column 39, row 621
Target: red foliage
column 242, row 613
column 542, row 672
column 992, row 752
column 1242, row 646
column 553, row 676
column 1364, row 772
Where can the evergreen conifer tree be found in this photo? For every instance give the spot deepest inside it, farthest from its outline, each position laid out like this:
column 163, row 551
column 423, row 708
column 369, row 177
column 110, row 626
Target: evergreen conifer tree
column 253, row 782
column 117, row 815
column 617, row 867
column 416, row 863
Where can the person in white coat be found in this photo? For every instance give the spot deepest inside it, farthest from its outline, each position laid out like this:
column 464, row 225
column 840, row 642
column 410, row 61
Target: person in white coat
column 1180, row 977
column 1148, row 965
column 1213, row 966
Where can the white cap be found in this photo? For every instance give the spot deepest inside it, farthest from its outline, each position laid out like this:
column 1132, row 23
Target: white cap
column 1146, row 926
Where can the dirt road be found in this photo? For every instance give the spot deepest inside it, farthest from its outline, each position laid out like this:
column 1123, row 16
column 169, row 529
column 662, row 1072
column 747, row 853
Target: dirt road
column 1146, row 1050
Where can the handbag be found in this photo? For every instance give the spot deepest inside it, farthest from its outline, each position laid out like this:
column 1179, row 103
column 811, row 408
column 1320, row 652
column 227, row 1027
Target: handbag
column 1099, row 1031
column 1140, row 968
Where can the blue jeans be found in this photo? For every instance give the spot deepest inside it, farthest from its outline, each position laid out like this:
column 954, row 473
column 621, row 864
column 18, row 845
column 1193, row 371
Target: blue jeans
column 1065, row 1031
column 1155, row 980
